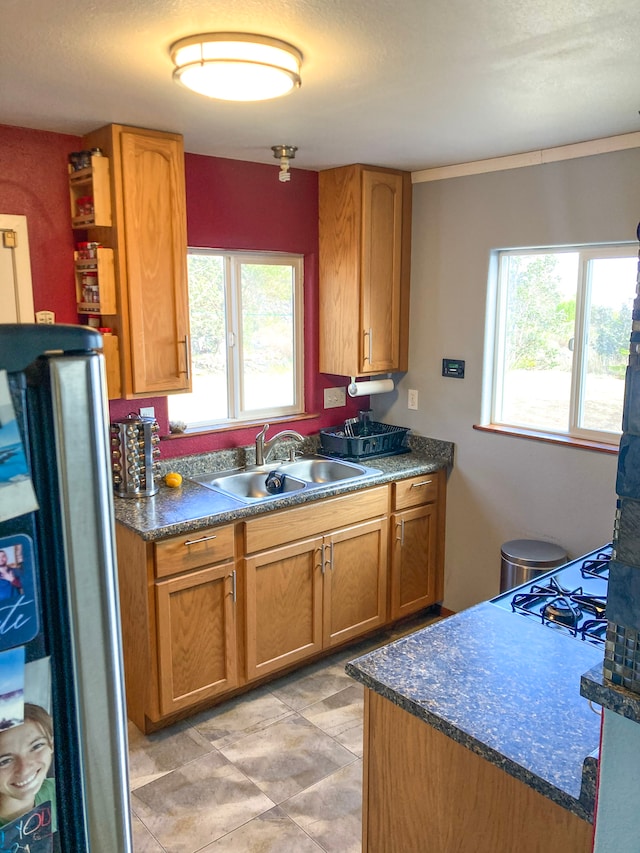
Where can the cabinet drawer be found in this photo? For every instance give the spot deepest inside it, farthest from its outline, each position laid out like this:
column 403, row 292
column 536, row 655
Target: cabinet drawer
column 279, row 528
column 201, row 548
column 416, row 491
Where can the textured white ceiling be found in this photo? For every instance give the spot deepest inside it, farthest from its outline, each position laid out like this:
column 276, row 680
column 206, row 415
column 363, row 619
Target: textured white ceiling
column 403, row 83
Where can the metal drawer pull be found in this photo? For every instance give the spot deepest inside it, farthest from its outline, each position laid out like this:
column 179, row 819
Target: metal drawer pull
column 233, row 586
column 400, row 538
column 187, row 357
column 423, row 483
column 188, row 542
column 368, row 333
column 327, row 562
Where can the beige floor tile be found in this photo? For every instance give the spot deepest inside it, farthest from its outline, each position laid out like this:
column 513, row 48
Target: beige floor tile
column 143, row 841
column 287, row 757
column 197, row 804
column 151, row 756
column 271, row 832
column 340, row 716
column 331, row 810
column 295, row 741
column 240, row 717
column 311, row 685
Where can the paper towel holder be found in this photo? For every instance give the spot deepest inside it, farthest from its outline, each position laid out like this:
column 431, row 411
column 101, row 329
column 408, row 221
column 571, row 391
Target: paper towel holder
column 373, row 386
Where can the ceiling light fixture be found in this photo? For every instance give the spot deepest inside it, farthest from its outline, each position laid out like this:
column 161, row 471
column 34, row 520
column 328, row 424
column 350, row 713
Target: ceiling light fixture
column 284, row 153
column 236, row 66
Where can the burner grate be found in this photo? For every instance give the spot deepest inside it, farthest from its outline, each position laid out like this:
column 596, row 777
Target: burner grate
column 597, row 567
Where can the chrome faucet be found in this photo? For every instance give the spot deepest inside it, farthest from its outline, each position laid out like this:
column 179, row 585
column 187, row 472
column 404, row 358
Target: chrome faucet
column 264, row 448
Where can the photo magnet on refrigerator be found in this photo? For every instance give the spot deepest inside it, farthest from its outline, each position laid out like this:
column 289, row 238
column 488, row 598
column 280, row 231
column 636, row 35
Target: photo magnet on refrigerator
column 18, row 594
column 17, row 495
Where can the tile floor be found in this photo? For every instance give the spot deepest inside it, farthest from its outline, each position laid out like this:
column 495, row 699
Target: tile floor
column 277, row 770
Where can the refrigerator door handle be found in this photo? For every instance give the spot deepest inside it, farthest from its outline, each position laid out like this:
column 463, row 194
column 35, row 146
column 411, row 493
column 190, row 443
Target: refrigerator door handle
column 78, row 399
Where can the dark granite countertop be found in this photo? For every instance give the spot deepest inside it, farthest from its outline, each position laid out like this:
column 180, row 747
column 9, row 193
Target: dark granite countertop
column 505, row 687
column 596, row 688
column 193, row 507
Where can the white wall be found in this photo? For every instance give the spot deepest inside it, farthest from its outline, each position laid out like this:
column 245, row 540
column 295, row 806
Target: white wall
column 619, row 786
column 501, row 487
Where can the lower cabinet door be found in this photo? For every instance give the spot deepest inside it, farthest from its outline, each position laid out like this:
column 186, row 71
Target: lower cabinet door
column 414, row 581
column 355, row 581
column 196, row 630
column 283, row 606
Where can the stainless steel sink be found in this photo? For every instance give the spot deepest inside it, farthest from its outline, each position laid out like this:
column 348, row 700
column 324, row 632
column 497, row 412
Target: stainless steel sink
column 319, row 470
column 309, row 472
column 248, row 485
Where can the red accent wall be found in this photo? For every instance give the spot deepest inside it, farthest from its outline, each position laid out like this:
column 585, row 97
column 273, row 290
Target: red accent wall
column 231, row 204
column 33, row 183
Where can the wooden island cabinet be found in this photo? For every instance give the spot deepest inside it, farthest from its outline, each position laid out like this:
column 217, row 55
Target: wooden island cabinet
column 425, row 793
column 208, row 614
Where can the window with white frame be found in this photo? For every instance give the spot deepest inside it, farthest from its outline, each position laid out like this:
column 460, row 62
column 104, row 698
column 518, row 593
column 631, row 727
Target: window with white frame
column 560, row 322
column 246, row 314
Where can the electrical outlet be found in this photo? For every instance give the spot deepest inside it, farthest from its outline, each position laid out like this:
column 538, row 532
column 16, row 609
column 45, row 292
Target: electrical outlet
column 147, row 412
column 335, row 397
column 413, row 399
column 46, row 317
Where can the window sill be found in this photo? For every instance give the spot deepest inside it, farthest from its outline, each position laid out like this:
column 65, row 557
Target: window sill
column 549, row 438
column 235, row 427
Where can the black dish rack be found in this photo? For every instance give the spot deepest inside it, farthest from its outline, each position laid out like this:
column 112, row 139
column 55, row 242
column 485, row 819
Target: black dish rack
column 380, row 440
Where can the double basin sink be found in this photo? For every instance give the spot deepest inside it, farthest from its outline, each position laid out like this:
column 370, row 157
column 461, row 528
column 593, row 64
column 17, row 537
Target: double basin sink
column 258, row 483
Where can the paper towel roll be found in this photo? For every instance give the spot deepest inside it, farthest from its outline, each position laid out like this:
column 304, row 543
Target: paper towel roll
column 374, row 386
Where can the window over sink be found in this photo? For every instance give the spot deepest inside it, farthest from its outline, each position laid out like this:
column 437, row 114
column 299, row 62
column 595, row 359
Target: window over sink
column 247, row 343
column 558, row 327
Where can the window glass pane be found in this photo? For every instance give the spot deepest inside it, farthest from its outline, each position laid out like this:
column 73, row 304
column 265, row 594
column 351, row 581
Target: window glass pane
column 267, row 322
column 208, row 401
column 539, row 304
column 607, row 342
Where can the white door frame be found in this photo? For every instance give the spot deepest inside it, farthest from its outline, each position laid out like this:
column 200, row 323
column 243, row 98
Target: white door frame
column 21, row 311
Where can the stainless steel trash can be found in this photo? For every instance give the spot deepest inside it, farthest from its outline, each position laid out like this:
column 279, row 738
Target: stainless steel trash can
column 525, row 559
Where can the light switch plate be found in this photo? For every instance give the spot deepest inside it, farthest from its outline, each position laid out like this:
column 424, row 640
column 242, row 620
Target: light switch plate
column 335, row 397
column 147, row 412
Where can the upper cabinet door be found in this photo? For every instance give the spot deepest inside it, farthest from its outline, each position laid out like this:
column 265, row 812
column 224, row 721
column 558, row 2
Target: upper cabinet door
column 381, row 271
column 365, row 250
column 154, row 210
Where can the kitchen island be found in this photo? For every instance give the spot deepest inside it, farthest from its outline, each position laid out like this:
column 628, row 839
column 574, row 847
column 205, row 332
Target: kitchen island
column 477, row 738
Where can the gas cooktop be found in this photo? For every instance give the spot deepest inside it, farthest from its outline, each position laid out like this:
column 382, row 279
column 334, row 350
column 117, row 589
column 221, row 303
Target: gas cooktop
column 571, row 598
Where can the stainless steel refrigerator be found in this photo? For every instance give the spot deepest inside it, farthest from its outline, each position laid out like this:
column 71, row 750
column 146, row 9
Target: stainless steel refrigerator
column 63, row 737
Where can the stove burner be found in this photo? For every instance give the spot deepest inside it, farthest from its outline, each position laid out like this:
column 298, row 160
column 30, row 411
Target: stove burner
column 563, row 611
column 596, row 604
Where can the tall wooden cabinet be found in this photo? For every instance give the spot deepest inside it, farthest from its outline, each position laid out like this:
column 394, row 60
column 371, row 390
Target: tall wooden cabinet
column 149, row 239
column 365, row 252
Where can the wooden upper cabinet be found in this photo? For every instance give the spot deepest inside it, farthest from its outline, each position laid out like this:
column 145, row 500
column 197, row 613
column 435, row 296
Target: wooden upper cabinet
column 149, row 237
column 365, row 250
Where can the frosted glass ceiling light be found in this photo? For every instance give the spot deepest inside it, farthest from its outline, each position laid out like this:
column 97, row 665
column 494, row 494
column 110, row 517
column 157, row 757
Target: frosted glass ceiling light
column 236, row 66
